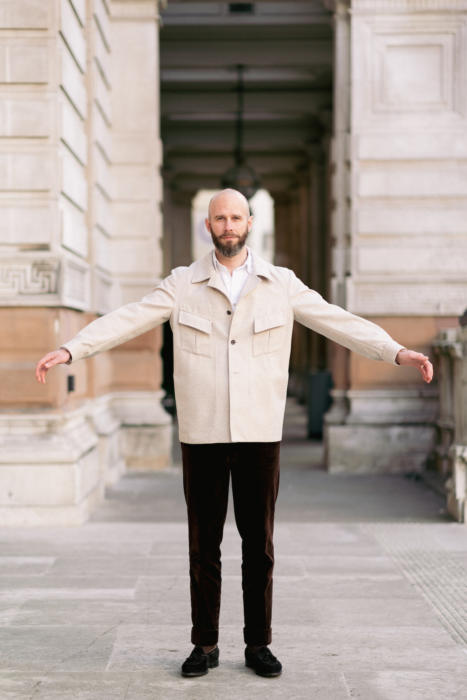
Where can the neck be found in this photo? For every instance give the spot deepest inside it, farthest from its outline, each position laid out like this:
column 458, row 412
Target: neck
column 233, row 262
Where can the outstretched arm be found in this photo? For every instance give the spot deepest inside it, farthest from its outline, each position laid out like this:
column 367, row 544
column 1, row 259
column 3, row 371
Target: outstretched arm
column 114, row 328
column 351, row 331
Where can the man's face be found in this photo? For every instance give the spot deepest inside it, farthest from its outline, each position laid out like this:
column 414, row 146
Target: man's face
column 229, row 223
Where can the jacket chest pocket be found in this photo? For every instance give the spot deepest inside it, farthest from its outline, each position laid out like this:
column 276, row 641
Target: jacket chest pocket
column 195, row 333
column 269, row 333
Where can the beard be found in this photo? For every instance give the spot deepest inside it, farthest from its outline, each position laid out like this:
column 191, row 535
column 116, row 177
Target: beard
column 229, row 248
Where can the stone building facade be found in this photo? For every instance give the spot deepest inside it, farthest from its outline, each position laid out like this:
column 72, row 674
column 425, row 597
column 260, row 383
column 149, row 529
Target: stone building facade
column 399, row 224
column 80, row 230
column 356, row 121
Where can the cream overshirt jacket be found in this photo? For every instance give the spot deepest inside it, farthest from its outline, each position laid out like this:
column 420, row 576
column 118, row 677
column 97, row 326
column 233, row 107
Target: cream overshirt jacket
column 231, row 366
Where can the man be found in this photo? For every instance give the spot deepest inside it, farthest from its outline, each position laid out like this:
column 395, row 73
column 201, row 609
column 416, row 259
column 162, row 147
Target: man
column 232, row 315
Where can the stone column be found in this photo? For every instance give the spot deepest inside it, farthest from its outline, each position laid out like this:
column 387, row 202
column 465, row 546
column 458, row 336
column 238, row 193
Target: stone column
column 136, row 250
column 406, row 223
column 338, row 356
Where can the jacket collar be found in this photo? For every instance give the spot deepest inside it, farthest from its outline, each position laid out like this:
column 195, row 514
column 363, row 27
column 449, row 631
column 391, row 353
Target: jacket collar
column 204, row 269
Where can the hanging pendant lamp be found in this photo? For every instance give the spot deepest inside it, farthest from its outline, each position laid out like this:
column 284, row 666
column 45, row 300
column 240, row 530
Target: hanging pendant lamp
column 241, row 176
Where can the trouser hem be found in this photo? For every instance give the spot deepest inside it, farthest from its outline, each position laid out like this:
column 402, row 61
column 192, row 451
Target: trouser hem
column 204, row 637
column 257, row 638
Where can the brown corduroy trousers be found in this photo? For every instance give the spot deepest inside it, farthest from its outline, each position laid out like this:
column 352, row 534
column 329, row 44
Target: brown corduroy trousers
column 254, row 469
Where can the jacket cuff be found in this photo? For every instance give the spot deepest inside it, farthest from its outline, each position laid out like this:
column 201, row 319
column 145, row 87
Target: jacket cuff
column 390, row 352
column 65, row 347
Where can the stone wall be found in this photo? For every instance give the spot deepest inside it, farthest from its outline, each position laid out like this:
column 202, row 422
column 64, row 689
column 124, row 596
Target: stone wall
column 399, row 149
column 80, row 228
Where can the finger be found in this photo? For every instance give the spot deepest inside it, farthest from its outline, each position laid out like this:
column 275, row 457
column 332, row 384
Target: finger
column 428, row 371
column 39, row 371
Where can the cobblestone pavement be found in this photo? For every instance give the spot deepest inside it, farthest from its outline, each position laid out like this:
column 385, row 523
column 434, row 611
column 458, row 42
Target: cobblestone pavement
column 370, row 594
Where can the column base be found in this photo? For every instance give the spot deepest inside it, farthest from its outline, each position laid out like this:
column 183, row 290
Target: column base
column 146, row 429
column 381, row 432
column 54, row 467
column 49, row 468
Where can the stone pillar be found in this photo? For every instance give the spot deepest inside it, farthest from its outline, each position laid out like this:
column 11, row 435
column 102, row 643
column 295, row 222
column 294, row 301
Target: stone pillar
column 136, row 245
column 339, row 357
column 60, row 260
column 400, row 248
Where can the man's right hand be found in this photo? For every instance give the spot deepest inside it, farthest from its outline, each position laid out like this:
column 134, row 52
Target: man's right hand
column 57, row 357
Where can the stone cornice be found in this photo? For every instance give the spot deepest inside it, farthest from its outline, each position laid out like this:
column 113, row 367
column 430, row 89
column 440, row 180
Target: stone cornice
column 409, row 6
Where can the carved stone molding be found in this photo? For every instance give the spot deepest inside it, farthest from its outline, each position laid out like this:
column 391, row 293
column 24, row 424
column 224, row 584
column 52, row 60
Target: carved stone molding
column 20, row 278
column 44, row 281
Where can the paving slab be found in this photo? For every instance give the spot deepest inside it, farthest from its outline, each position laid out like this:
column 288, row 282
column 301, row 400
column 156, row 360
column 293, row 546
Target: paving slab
column 370, row 596
column 415, row 685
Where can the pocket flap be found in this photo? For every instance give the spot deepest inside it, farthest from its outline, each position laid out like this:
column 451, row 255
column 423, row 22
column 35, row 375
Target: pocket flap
column 264, row 323
column 188, row 319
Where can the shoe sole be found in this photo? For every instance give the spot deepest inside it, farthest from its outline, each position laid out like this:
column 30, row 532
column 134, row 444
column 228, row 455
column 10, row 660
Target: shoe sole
column 196, row 674
column 273, row 674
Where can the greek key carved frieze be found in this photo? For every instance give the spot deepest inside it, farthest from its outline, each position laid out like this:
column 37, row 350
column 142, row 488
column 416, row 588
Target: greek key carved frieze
column 38, row 277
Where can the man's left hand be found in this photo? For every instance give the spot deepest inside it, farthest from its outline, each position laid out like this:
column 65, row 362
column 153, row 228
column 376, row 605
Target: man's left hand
column 418, row 360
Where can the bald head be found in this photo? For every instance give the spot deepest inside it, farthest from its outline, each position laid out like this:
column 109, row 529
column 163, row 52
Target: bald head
column 231, row 198
column 229, row 222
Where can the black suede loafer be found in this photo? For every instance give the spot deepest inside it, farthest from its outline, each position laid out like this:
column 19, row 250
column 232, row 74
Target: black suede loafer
column 263, row 662
column 199, row 663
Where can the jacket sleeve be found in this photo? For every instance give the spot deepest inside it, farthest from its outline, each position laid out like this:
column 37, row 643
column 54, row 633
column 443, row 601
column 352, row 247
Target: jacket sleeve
column 345, row 328
column 124, row 323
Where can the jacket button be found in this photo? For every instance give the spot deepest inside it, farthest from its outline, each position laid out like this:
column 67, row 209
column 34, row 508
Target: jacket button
column 232, row 342
column 229, row 311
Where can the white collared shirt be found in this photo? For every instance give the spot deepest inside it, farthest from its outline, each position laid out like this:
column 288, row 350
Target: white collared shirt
column 234, row 282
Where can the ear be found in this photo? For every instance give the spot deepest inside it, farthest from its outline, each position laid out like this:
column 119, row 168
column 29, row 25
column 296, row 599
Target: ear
column 250, row 223
column 207, row 224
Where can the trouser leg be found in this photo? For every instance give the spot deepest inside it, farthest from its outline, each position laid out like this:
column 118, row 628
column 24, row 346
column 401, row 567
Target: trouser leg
column 206, row 488
column 255, row 485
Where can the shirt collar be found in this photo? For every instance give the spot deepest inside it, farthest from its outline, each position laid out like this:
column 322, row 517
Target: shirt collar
column 247, row 265
column 204, row 268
